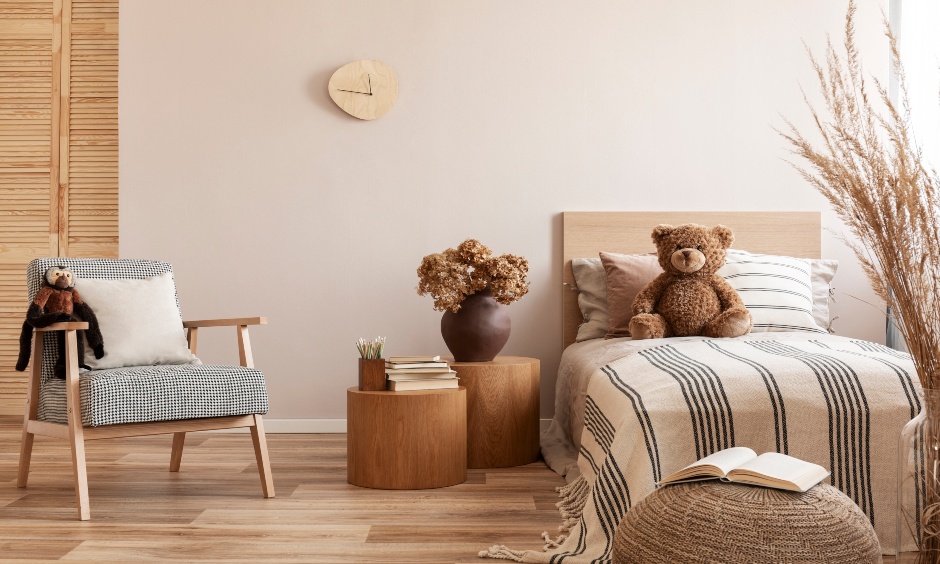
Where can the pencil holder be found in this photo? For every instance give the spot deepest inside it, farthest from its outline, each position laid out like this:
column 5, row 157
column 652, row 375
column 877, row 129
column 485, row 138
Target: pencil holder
column 371, row 374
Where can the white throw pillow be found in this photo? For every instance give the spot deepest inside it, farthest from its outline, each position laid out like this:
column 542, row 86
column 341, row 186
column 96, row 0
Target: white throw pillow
column 777, row 290
column 139, row 319
column 823, row 270
column 591, row 281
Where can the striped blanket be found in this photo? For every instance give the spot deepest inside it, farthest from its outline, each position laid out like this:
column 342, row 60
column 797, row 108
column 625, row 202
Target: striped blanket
column 837, row 402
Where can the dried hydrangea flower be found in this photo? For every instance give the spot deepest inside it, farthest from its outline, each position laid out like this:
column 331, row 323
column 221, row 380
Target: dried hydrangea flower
column 451, row 276
column 474, row 253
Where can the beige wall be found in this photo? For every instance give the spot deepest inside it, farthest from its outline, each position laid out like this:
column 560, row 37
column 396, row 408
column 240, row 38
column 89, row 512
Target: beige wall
column 238, row 168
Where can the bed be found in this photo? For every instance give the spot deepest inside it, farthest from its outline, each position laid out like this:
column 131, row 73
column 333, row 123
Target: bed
column 629, row 412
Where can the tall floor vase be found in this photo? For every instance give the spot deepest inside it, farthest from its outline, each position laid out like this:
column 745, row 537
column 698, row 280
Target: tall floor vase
column 918, row 514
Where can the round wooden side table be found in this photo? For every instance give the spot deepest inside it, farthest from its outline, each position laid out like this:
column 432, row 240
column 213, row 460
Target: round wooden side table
column 406, row 440
column 502, row 411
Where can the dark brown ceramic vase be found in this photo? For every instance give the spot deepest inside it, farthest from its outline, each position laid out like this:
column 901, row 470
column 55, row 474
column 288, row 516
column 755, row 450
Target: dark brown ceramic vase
column 479, row 330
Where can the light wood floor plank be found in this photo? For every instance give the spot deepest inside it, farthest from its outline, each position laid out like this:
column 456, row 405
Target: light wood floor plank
column 212, row 510
column 49, row 548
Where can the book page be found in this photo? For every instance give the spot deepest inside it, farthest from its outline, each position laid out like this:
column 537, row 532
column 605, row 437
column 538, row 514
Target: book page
column 724, row 461
column 781, row 467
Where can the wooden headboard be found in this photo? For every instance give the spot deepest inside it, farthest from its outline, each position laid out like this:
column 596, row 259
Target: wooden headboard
column 584, row 234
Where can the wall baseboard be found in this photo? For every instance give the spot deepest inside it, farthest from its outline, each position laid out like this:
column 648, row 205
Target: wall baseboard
column 316, row 426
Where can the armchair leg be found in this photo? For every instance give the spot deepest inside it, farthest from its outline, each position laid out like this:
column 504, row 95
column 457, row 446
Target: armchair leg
column 177, row 455
column 76, row 437
column 26, row 453
column 32, row 410
column 261, row 455
column 76, row 431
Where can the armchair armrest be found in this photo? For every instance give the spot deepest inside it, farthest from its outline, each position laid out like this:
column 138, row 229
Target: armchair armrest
column 238, row 321
column 242, row 323
column 65, row 326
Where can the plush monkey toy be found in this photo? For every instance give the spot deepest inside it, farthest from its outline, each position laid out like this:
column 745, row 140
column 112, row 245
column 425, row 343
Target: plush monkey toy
column 58, row 301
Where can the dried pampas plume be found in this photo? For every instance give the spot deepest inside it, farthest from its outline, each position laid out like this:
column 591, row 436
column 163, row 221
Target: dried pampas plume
column 872, row 172
column 457, row 273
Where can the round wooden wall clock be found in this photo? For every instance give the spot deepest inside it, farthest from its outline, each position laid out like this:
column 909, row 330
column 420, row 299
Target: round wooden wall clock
column 364, row 89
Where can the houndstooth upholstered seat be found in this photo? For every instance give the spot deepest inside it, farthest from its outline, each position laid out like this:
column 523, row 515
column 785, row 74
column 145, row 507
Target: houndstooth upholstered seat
column 144, row 393
column 158, row 393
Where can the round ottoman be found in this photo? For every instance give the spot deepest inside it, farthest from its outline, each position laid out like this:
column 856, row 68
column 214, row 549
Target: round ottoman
column 719, row 522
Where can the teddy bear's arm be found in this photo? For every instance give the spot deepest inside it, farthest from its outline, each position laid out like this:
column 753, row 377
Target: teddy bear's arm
column 726, row 294
column 645, row 301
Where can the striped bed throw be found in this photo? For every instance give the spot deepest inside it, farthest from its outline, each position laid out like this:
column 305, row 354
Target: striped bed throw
column 836, row 402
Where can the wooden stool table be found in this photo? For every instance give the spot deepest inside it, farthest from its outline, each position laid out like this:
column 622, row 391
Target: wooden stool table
column 406, row 440
column 502, row 411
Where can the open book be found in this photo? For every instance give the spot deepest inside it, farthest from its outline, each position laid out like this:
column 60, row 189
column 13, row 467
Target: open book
column 740, row 464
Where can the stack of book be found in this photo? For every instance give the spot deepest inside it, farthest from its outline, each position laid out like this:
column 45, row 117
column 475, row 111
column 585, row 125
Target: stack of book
column 419, row 373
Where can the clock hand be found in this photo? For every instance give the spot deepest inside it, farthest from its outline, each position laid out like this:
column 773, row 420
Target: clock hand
column 369, row 93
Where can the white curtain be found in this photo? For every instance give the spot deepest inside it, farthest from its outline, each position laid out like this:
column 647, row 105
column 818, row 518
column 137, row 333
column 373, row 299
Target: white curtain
column 919, row 36
column 916, row 24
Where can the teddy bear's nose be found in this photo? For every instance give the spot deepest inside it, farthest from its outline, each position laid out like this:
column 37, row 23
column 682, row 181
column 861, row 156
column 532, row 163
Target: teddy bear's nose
column 686, row 253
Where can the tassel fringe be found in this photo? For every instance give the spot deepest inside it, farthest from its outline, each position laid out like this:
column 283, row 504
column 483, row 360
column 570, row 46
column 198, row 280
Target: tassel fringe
column 500, row 552
column 573, row 498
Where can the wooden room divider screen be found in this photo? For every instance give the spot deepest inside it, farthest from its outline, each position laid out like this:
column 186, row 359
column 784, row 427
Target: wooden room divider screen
column 58, row 150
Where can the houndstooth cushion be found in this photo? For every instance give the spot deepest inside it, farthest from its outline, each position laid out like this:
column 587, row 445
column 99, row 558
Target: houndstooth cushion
column 159, row 393
column 143, row 393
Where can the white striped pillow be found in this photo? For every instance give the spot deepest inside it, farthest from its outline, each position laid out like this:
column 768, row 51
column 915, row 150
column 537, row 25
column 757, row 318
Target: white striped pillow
column 776, row 290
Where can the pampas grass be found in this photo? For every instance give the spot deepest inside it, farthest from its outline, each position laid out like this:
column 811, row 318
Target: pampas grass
column 871, row 170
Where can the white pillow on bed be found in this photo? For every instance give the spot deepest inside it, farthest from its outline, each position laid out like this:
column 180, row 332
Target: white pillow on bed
column 777, row 290
column 591, row 281
column 823, row 270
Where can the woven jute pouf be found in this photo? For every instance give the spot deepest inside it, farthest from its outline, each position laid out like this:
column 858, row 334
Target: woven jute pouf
column 719, row 522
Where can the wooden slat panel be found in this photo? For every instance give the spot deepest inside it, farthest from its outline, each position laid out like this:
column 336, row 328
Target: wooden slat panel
column 26, row 129
column 25, row 26
column 92, row 152
column 58, row 149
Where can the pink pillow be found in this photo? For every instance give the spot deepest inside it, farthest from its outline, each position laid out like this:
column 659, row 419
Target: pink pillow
column 626, row 277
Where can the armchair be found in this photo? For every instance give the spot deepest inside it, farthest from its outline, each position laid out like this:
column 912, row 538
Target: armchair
column 135, row 401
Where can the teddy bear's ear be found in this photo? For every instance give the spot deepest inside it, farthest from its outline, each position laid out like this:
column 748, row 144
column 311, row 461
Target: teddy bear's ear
column 662, row 231
column 724, row 234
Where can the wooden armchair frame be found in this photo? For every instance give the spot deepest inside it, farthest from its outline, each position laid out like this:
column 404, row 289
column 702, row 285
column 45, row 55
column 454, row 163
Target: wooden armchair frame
column 77, row 434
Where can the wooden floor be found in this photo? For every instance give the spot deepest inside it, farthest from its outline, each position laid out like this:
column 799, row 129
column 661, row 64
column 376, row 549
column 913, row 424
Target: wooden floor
column 212, row 510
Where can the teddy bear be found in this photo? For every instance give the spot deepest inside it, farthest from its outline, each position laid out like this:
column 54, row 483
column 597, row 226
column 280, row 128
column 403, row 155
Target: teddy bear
column 689, row 298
